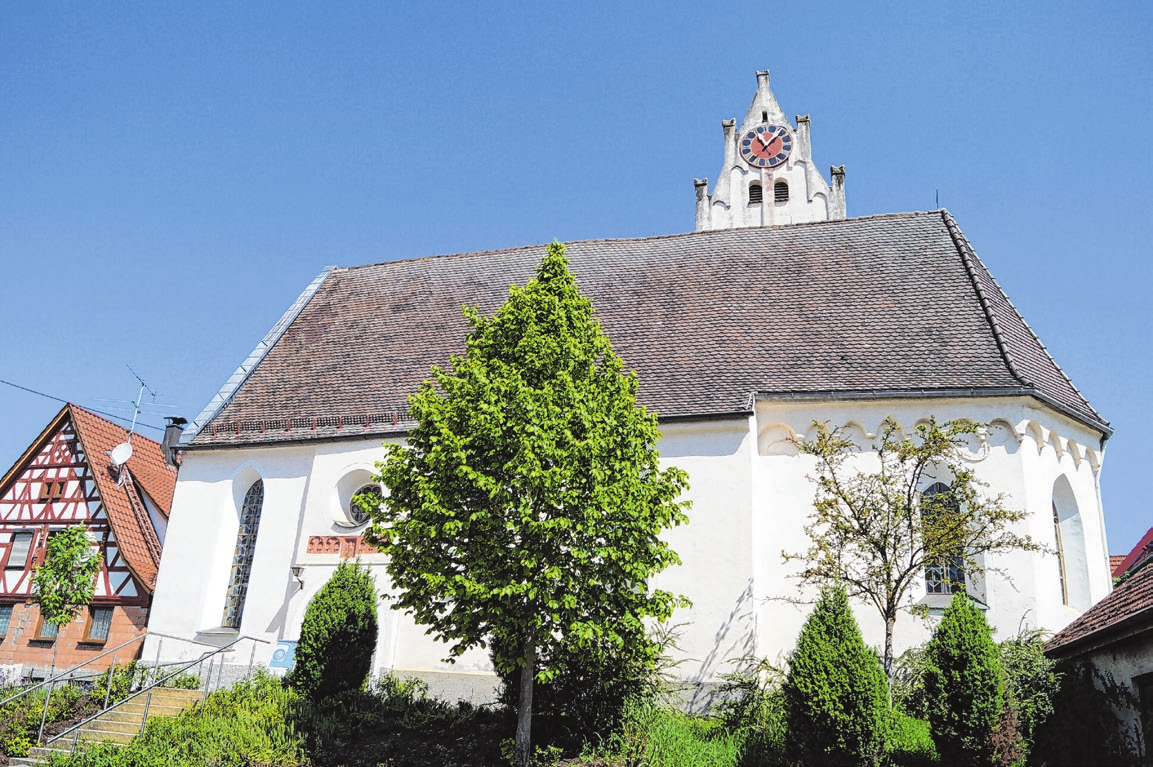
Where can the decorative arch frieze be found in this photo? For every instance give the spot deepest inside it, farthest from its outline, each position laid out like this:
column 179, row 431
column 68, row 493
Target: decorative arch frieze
column 777, row 439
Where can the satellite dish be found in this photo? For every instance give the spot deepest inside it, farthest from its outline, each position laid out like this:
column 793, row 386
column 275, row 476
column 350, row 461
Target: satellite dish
column 120, row 454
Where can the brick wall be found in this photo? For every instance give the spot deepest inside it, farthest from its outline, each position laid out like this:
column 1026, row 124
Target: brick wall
column 21, row 645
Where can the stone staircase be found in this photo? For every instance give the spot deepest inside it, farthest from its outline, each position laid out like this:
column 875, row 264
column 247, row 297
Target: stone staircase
column 118, row 725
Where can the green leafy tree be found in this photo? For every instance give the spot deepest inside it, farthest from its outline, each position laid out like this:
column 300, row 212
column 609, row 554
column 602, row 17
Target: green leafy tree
column 836, row 695
column 337, row 635
column 875, row 532
column 66, row 581
column 964, row 684
column 528, row 502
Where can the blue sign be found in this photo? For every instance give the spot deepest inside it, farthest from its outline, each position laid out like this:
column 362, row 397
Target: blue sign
column 284, row 656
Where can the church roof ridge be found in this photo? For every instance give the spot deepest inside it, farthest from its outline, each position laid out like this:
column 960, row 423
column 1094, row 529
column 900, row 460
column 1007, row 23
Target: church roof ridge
column 979, row 273
column 645, row 238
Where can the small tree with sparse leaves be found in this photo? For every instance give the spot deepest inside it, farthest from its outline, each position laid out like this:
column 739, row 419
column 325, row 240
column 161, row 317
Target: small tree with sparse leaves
column 66, row 581
column 876, row 531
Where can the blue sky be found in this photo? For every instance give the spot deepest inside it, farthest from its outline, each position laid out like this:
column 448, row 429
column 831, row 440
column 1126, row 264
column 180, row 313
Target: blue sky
column 171, row 178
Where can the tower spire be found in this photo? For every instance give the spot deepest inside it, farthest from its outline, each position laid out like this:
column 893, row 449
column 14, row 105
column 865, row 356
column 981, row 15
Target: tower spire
column 768, row 177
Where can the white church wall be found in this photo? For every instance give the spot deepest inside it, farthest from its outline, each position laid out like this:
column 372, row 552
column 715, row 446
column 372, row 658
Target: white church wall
column 1021, row 589
column 751, row 494
column 716, row 546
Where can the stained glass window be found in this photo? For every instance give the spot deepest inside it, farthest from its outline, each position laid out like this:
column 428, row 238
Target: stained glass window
column 242, row 560
column 948, row 575
column 1060, row 555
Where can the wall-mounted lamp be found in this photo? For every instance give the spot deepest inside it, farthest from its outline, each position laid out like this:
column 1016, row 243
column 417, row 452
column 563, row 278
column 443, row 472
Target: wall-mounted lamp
column 298, row 574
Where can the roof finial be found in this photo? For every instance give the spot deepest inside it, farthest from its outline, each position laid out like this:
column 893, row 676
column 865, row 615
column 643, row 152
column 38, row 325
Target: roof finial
column 762, row 79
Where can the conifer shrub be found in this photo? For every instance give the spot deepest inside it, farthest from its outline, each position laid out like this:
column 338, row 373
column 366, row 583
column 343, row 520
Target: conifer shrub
column 964, row 685
column 337, row 636
column 835, row 691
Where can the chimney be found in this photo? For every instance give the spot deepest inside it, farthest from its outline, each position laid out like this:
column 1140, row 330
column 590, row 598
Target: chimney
column 172, row 432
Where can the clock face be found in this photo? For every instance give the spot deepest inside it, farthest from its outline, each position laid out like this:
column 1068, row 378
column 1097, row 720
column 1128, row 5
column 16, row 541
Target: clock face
column 766, row 146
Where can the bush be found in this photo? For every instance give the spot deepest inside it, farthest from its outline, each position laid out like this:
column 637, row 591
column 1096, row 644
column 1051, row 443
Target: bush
column 656, row 736
column 750, row 703
column 1031, row 681
column 245, row 725
column 585, row 700
column 1084, row 727
column 909, row 741
column 964, row 685
column 337, row 636
column 836, row 696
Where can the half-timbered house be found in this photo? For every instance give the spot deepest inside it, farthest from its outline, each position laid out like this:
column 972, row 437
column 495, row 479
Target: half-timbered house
column 67, row 477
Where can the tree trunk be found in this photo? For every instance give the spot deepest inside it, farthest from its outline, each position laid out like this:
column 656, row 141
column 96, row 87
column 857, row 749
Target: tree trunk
column 890, row 622
column 524, row 709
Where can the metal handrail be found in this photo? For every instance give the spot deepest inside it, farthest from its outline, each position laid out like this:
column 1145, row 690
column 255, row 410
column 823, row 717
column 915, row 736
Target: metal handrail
column 70, row 673
column 157, row 681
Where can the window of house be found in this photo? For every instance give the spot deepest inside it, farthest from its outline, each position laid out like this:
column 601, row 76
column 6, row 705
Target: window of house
column 51, row 490
column 45, row 631
column 5, row 619
column 355, row 512
column 948, row 575
column 99, row 625
column 18, row 551
column 756, row 194
column 242, row 559
column 781, row 191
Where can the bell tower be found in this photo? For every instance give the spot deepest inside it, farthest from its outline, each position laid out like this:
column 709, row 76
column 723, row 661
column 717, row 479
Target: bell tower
column 768, row 177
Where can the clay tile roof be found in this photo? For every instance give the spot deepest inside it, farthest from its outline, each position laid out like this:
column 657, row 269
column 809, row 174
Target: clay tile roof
column 879, row 305
column 1126, row 561
column 126, row 511
column 1129, row 607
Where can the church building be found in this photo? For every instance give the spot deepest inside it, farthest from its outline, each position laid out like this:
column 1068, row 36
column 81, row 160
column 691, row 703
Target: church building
column 778, row 311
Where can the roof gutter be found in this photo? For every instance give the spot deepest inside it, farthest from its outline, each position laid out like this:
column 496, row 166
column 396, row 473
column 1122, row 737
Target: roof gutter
column 1002, row 391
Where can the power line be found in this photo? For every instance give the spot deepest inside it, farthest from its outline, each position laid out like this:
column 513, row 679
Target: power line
column 94, row 410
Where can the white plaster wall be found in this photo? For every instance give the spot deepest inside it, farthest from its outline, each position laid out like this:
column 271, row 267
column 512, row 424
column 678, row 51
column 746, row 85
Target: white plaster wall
column 751, row 495
column 716, row 546
column 1021, row 589
column 1125, row 661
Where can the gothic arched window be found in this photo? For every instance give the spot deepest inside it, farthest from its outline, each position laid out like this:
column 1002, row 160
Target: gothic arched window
column 242, row 559
column 781, row 191
column 948, row 575
column 1060, row 555
column 756, row 194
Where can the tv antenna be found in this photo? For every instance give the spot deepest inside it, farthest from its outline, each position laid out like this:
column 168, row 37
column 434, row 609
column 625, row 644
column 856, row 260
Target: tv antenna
column 122, row 452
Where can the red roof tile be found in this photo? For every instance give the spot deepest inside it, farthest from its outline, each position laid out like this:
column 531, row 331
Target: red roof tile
column 126, row 511
column 1130, row 605
column 1114, row 561
column 884, row 305
column 1138, row 552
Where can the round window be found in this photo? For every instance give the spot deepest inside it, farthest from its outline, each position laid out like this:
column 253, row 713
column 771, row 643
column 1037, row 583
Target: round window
column 369, row 495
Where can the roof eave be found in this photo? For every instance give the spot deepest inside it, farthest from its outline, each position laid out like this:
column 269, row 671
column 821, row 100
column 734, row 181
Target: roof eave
column 945, row 393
